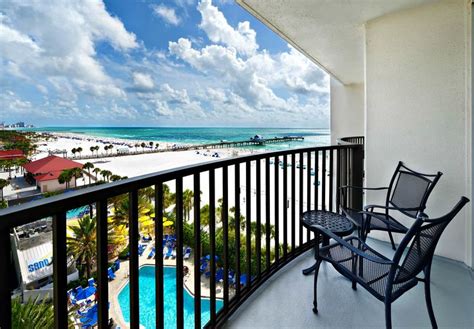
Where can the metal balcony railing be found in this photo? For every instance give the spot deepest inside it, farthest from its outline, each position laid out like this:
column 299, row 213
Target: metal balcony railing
column 269, row 188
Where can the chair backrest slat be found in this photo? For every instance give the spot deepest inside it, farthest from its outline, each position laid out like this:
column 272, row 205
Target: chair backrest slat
column 410, row 189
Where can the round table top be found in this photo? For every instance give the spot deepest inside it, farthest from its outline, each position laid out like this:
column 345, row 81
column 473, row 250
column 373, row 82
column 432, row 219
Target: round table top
column 336, row 223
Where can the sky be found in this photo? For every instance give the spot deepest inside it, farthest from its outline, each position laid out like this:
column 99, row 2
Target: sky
column 152, row 63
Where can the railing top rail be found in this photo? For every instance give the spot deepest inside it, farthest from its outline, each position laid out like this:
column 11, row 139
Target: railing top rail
column 351, row 140
column 32, row 211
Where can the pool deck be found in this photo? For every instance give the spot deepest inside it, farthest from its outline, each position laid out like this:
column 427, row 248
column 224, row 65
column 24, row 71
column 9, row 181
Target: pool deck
column 121, row 280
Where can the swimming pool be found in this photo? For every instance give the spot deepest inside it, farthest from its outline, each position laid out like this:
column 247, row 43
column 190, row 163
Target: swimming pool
column 77, row 212
column 147, row 300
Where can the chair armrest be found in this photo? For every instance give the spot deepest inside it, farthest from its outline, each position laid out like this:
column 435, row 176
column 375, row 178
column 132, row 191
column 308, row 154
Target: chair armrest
column 355, row 250
column 372, row 206
column 364, row 188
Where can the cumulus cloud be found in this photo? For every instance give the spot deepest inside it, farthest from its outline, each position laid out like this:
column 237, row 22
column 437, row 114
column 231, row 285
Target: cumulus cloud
column 63, row 44
column 168, row 14
column 218, row 30
column 142, row 81
column 255, row 81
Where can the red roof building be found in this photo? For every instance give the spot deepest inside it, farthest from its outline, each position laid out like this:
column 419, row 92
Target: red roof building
column 11, row 154
column 50, row 168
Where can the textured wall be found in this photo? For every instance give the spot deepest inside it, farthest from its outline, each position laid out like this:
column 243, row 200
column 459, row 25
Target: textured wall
column 418, row 107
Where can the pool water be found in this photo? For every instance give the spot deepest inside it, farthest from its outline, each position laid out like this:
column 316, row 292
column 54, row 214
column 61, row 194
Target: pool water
column 75, row 213
column 147, row 300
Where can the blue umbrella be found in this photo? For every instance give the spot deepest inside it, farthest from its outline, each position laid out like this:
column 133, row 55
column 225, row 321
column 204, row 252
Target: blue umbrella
column 85, row 293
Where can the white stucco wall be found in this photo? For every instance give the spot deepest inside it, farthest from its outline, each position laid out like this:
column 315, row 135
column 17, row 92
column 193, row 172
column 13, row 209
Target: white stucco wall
column 54, row 185
column 418, row 107
column 347, row 110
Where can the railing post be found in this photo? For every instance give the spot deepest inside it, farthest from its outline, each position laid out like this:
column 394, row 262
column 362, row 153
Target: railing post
column 134, row 262
column 5, row 294
column 102, row 262
column 60, row 271
column 357, row 176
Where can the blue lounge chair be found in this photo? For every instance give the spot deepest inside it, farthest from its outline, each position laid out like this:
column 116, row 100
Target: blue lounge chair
column 203, row 267
column 78, row 290
column 232, row 279
column 110, row 274
column 116, row 265
column 152, row 253
column 141, row 249
column 220, row 275
column 187, row 253
column 91, row 282
column 169, row 252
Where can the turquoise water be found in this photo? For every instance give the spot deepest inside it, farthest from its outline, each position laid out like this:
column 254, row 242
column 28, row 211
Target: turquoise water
column 73, row 213
column 147, row 300
column 186, row 135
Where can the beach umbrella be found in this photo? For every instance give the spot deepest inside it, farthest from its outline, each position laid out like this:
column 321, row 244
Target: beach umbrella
column 168, row 223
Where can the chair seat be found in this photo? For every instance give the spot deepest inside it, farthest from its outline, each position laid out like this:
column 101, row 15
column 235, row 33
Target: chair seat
column 369, row 274
column 379, row 221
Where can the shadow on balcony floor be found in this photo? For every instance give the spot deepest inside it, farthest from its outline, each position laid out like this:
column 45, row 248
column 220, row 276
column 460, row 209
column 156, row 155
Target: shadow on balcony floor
column 285, row 301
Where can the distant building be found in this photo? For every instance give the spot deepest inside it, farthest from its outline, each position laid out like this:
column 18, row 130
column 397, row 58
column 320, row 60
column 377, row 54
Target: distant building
column 11, row 154
column 33, row 258
column 45, row 172
column 20, row 124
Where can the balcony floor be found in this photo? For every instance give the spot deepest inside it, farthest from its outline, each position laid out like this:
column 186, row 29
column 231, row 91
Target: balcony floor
column 285, row 301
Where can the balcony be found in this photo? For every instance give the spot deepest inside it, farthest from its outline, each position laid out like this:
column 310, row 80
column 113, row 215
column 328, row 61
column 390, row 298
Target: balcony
column 285, row 301
column 268, row 189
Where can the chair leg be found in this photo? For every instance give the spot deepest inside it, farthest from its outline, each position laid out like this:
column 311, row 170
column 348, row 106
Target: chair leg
column 388, row 315
column 316, row 271
column 391, row 240
column 428, row 299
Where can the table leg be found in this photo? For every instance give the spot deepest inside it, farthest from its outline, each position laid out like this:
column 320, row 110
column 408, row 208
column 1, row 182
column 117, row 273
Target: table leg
column 310, row 269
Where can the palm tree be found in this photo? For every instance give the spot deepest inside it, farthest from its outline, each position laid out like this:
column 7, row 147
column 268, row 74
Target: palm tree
column 73, row 151
column 114, row 178
column 8, row 164
column 136, row 146
column 82, row 244
column 143, row 145
column 96, row 171
column 111, row 147
column 88, row 166
column 76, row 173
column 106, row 174
column 169, row 198
column 151, row 144
column 65, row 177
column 32, row 313
column 92, row 148
column 106, row 148
column 188, row 201
column 96, row 148
column 3, row 183
column 79, row 150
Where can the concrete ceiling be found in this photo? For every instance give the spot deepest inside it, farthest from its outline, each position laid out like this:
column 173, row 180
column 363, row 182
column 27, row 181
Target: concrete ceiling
column 329, row 32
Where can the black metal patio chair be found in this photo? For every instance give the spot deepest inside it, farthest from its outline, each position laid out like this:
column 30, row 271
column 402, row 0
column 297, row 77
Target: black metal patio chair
column 407, row 193
column 388, row 279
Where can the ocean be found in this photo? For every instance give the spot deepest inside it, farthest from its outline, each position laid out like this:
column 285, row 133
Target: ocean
column 186, row 135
